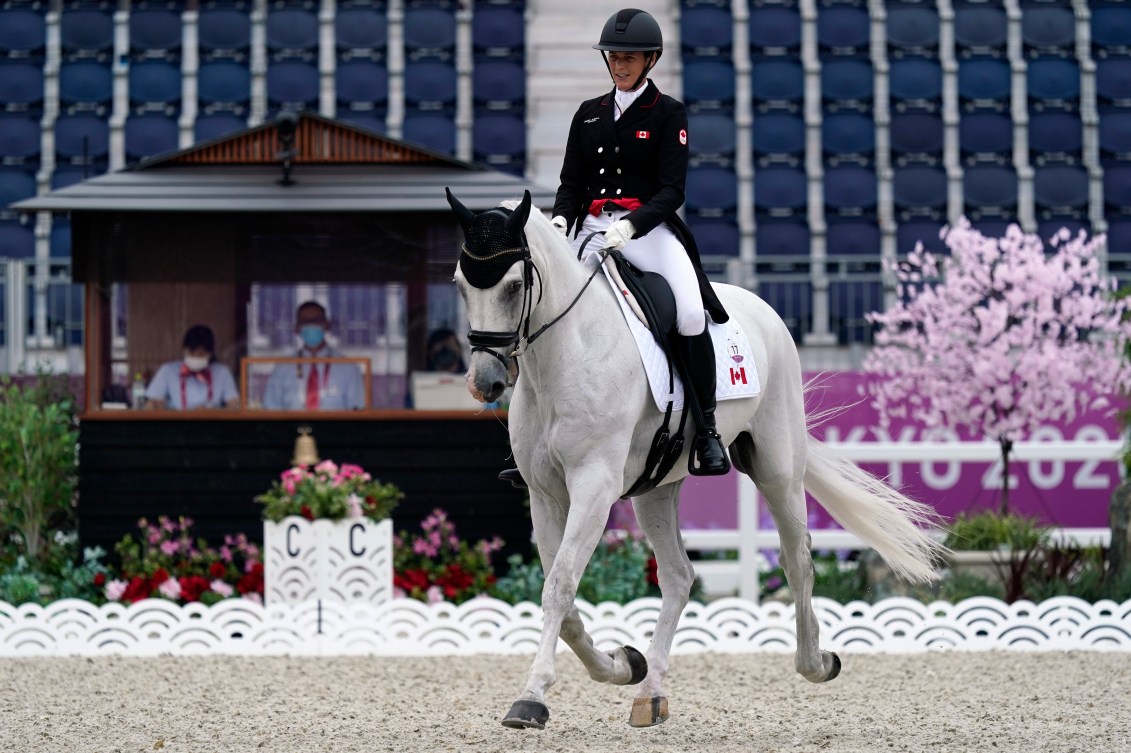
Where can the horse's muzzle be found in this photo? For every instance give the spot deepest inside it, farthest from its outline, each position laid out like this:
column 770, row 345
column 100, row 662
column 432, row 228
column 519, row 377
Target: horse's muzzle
column 487, row 378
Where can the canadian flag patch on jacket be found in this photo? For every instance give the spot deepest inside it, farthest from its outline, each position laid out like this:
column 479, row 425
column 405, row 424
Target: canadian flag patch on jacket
column 643, row 134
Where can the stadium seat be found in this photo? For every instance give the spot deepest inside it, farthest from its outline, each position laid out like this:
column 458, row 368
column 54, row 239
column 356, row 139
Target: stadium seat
column 989, row 191
column 708, row 85
column 716, row 237
column 17, row 242
column 499, row 140
column 155, row 86
column 778, row 137
column 86, row 34
column 849, row 302
column 843, row 30
column 980, row 30
column 435, row 131
column 782, row 239
column 1119, row 242
column 21, row 87
column 361, row 33
column 1061, row 191
column 498, row 32
column 81, row 139
column 1115, row 137
column 23, row 34
column 16, row 184
column 150, row 135
column 915, row 84
column 430, row 85
column 912, row 30
column 712, row 192
column 292, row 84
column 1117, row 190
column 1048, row 29
column 292, row 34
column 847, row 84
column 498, row 84
column 908, row 234
column 1056, row 137
column 774, row 30
column 985, row 137
column 208, row 127
column 706, row 32
column 362, row 85
column 85, row 85
column 848, row 137
column 920, row 191
column 850, row 191
column 916, row 137
column 1113, row 83
column 60, row 239
column 853, row 239
column 1053, row 83
column 792, row 300
column 1111, row 30
column 224, row 85
column 711, row 138
column 984, row 83
column 993, row 228
column 429, row 33
column 780, row 191
column 225, row 34
column 68, row 175
column 20, row 139
column 370, row 121
column 155, row 34
column 1049, row 228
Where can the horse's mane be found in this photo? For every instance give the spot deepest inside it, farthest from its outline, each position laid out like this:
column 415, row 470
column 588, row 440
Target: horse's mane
column 539, row 232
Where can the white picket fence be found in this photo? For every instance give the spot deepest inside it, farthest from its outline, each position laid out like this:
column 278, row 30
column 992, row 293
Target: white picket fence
column 740, row 575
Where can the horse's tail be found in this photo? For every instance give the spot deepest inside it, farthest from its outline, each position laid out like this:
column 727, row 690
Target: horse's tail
column 880, row 516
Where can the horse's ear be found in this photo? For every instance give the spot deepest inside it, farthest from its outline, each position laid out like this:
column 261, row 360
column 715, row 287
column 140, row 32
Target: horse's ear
column 463, row 214
column 516, row 223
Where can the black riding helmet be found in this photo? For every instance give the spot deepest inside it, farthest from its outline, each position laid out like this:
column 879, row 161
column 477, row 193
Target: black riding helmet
column 631, row 30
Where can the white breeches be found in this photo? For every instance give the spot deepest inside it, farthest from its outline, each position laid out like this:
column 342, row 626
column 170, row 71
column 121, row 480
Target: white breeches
column 661, row 252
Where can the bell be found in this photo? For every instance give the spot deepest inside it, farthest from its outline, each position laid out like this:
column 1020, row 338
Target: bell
column 306, row 452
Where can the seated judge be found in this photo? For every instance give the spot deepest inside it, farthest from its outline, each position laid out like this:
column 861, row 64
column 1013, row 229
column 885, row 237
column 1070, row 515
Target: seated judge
column 197, row 380
column 317, row 386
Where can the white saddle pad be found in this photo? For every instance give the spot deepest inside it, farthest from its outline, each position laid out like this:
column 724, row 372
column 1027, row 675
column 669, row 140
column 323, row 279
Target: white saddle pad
column 735, row 375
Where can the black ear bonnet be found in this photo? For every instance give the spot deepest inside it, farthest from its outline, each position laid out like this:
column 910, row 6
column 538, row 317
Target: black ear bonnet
column 493, row 241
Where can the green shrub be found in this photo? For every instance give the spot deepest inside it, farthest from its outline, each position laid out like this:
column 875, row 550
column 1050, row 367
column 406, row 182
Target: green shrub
column 991, row 530
column 841, row 581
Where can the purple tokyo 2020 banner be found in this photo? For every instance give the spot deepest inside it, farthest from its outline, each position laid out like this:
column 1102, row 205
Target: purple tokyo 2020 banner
column 1062, row 493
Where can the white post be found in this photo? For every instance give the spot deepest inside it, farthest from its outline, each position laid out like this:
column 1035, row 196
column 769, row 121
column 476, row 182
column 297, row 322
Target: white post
column 748, row 502
column 16, row 313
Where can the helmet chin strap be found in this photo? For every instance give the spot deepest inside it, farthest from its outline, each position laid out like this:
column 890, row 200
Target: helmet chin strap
column 642, row 77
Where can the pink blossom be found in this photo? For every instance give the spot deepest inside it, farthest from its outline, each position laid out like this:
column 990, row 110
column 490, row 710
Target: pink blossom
column 251, row 551
column 399, row 593
column 256, row 598
column 169, row 548
column 222, row 588
column 353, row 506
column 349, row 470
column 115, row 589
column 422, row 546
column 225, row 554
column 328, row 467
column 170, row 589
column 167, row 524
column 435, row 595
column 154, row 537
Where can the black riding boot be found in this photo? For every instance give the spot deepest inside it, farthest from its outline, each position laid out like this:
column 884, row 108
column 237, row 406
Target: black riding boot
column 514, row 477
column 708, row 455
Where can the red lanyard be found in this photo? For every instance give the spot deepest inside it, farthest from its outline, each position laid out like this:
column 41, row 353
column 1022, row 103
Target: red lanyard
column 204, row 376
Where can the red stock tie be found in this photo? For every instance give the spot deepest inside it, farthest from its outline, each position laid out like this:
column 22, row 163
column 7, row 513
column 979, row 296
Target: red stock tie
column 312, row 388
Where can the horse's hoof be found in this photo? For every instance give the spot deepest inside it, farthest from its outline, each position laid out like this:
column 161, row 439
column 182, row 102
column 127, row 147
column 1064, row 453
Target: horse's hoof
column 637, row 663
column 525, row 714
column 836, row 667
column 648, row 712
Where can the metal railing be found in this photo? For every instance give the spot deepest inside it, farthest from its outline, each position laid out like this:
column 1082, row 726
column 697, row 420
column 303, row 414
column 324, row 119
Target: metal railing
column 61, row 304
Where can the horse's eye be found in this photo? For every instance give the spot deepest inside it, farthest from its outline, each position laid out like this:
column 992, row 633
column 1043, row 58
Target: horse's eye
column 514, row 287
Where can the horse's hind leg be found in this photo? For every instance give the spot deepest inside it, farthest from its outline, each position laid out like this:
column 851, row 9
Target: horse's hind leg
column 657, row 514
column 778, row 468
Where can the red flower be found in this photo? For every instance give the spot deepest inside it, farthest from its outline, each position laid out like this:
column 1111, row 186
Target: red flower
column 193, row 587
column 653, row 576
column 411, row 580
column 306, row 512
column 217, row 570
column 454, row 580
column 137, row 589
column 160, row 576
column 252, row 582
column 99, row 580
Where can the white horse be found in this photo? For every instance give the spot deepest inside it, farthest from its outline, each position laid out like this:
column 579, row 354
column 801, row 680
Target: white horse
column 581, row 422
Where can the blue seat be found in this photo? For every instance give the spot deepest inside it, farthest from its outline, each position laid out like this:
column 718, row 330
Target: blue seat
column 791, row 298
column 361, row 33
column 225, row 33
column 708, row 85
column 984, row 83
column 370, row 121
column 21, row 87
column 429, row 33
column 68, row 175
column 847, row 84
column 224, row 85
column 23, row 34
column 1056, row 137
column 155, row 86
column 499, row 140
column 711, row 138
column 1050, row 228
column 81, row 139
column 1115, row 137
column 208, row 127
column 782, row 239
column 436, row 131
column 16, row 184
column 430, row 85
column 916, row 137
column 1048, row 29
column 706, row 32
column 849, row 302
column 994, row 228
column 292, row 33
column 1111, row 30
column 716, row 237
column 1113, row 83
column 20, row 138
column 1061, row 191
column 60, row 239
column 843, row 30
column 985, row 137
column 155, row 33
column 980, row 30
column 774, row 30
column 17, row 242
column 908, row 234
column 712, row 192
column 362, row 85
column 919, row 191
column 989, row 191
column 848, row 137
column 1117, row 189
column 1053, row 82
column 777, row 84
column 1119, row 246
column 850, row 191
column 915, row 84
column 498, row 31
column 292, row 84
column 780, row 191
column 86, row 34
column 853, row 239
column 498, row 84
column 85, row 85
column 150, row 135
column 778, row 137
column 912, row 30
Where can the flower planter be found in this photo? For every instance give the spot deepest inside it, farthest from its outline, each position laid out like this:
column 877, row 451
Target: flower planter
column 982, row 563
column 331, row 560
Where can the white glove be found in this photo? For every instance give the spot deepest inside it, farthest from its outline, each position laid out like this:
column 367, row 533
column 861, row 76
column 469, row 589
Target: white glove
column 618, row 234
column 560, row 223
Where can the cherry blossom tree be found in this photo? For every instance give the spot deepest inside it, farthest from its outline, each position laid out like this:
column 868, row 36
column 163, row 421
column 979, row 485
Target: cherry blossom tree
column 1000, row 336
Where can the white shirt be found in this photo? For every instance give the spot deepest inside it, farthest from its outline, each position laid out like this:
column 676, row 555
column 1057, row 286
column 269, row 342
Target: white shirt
column 168, row 383
column 624, row 99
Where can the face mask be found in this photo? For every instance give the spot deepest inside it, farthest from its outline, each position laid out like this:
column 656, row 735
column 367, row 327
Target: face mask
column 312, row 335
column 197, row 363
column 444, row 359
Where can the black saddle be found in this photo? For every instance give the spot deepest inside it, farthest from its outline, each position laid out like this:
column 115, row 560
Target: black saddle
column 653, row 294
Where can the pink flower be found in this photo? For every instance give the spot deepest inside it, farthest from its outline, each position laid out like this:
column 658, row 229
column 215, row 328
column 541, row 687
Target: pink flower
column 421, row 546
column 251, row 551
column 170, row 589
column 115, row 589
column 399, row 593
column 222, row 588
column 167, row 524
column 329, row 467
column 154, row 537
column 225, row 554
column 353, row 506
column 169, row 547
column 435, row 595
column 254, row 597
